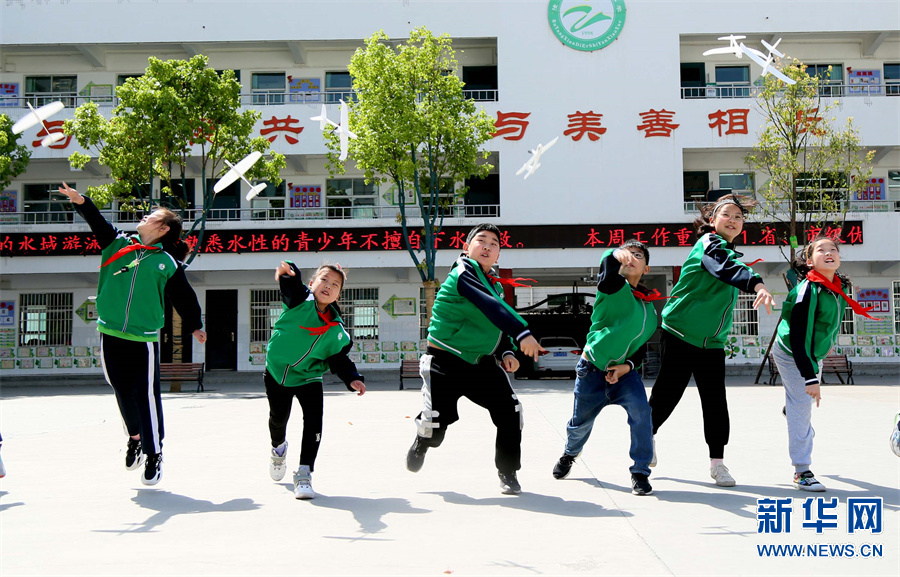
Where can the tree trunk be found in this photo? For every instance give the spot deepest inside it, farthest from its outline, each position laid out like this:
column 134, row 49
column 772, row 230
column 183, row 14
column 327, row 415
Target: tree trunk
column 431, row 287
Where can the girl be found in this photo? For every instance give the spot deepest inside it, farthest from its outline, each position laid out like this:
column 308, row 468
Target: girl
column 810, row 322
column 696, row 323
column 136, row 274
column 308, row 338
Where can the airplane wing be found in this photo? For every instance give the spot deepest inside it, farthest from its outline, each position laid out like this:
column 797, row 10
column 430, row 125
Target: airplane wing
column 724, row 50
column 773, row 49
column 345, row 144
column 526, row 166
column 52, row 139
column 37, row 116
column 254, row 191
column 780, row 76
column 248, row 161
column 323, row 119
column 25, row 123
column 755, row 55
column 551, row 143
column 532, row 169
column 226, row 181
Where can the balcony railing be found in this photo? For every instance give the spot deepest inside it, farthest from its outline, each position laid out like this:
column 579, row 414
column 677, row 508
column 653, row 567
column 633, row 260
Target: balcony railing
column 253, row 98
column 814, row 207
column 727, row 91
column 8, row 220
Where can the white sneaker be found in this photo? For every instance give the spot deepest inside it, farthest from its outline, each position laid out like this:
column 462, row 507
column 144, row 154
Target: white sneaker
column 277, row 469
column 653, row 460
column 2, row 469
column 722, row 476
column 303, row 483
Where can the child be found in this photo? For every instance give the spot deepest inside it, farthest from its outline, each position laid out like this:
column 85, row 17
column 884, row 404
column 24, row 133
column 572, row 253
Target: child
column 308, row 338
column 810, row 322
column 622, row 321
column 469, row 353
column 696, row 323
column 137, row 273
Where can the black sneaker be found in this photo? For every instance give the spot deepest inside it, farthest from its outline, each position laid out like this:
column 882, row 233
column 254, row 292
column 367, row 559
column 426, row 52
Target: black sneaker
column 640, row 485
column 133, row 455
column 563, row 466
column 152, row 469
column 509, row 485
column 415, row 458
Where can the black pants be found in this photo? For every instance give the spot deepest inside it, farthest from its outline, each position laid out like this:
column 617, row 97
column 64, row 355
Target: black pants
column 680, row 360
column 311, row 397
column 447, row 378
column 132, row 370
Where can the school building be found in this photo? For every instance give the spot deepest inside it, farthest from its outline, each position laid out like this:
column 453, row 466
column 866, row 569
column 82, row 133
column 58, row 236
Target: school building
column 647, row 125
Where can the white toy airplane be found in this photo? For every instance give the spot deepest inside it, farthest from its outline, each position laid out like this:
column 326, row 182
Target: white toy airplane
column 533, row 163
column 732, row 47
column 237, row 172
column 38, row 117
column 766, row 61
column 323, row 119
column 344, row 130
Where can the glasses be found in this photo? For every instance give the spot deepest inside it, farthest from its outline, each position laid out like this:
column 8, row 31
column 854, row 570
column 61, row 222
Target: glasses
column 638, row 255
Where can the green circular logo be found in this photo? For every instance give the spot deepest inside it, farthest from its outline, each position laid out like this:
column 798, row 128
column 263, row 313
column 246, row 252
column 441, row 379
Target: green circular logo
column 586, row 25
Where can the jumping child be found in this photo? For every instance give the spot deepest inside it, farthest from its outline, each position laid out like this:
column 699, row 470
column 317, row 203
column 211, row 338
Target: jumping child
column 307, row 339
column 137, row 273
column 470, row 352
column 810, row 322
column 696, row 323
column 621, row 323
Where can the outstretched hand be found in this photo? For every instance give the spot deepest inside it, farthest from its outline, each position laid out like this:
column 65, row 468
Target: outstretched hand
column 73, row 195
column 764, row 297
column 531, row 347
column 359, row 387
column 284, row 269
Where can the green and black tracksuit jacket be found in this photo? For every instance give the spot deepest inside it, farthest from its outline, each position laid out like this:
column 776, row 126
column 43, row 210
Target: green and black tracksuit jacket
column 131, row 304
column 705, row 295
column 303, row 346
column 810, row 321
column 621, row 323
column 470, row 318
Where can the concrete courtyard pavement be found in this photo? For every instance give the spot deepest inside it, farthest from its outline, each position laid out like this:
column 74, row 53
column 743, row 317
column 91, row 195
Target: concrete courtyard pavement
column 69, row 507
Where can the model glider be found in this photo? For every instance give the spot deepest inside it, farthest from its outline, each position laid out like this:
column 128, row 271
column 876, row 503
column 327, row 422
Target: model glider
column 732, row 48
column 766, row 60
column 237, row 171
column 38, row 116
column 533, row 163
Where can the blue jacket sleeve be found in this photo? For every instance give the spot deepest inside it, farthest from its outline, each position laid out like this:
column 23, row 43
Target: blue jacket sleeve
column 717, row 262
column 609, row 281
column 184, row 299
column 102, row 229
column 293, row 291
column 801, row 334
column 470, row 286
column 344, row 368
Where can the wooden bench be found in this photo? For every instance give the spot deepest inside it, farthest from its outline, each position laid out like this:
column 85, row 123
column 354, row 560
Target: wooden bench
column 408, row 370
column 833, row 364
column 182, row 372
column 837, row 364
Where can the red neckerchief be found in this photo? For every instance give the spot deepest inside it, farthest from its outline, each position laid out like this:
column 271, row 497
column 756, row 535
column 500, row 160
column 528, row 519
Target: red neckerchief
column 125, row 250
column 754, row 262
column 835, row 287
column 317, row 331
column 649, row 297
column 509, row 281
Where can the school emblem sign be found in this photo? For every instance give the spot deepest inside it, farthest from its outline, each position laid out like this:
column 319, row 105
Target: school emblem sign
column 586, row 25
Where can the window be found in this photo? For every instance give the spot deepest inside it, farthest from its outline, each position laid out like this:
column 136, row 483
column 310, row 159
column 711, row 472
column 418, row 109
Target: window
column 745, row 318
column 423, row 314
column 696, row 185
column 892, row 79
column 122, row 78
column 830, row 78
column 181, row 195
column 269, row 203
column 338, row 86
column 45, row 319
column 41, row 204
column 733, row 81
column 893, row 185
column 738, row 182
column 41, row 90
column 226, row 203
column 359, row 308
column 693, row 80
column 847, row 324
column 480, row 83
column 268, row 88
column 265, row 308
column 896, row 286
column 350, row 198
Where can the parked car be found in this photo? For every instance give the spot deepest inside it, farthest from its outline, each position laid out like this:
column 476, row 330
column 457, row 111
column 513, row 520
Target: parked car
column 561, row 356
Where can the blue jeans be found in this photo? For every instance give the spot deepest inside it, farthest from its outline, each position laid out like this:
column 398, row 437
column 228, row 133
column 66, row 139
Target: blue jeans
column 592, row 393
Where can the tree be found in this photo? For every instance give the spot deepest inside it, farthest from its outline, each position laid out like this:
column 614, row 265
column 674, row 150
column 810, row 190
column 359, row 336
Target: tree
column 14, row 157
column 177, row 110
column 814, row 169
column 415, row 129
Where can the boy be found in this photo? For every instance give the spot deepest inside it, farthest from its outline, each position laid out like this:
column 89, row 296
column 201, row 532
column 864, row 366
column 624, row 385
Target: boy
column 469, row 353
column 622, row 321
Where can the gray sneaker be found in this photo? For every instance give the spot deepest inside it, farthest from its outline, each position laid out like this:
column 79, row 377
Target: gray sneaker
column 277, row 467
column 303, row 483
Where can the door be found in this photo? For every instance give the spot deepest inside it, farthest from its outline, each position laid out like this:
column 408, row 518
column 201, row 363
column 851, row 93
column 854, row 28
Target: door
column 175, row 343
column 221, row 330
